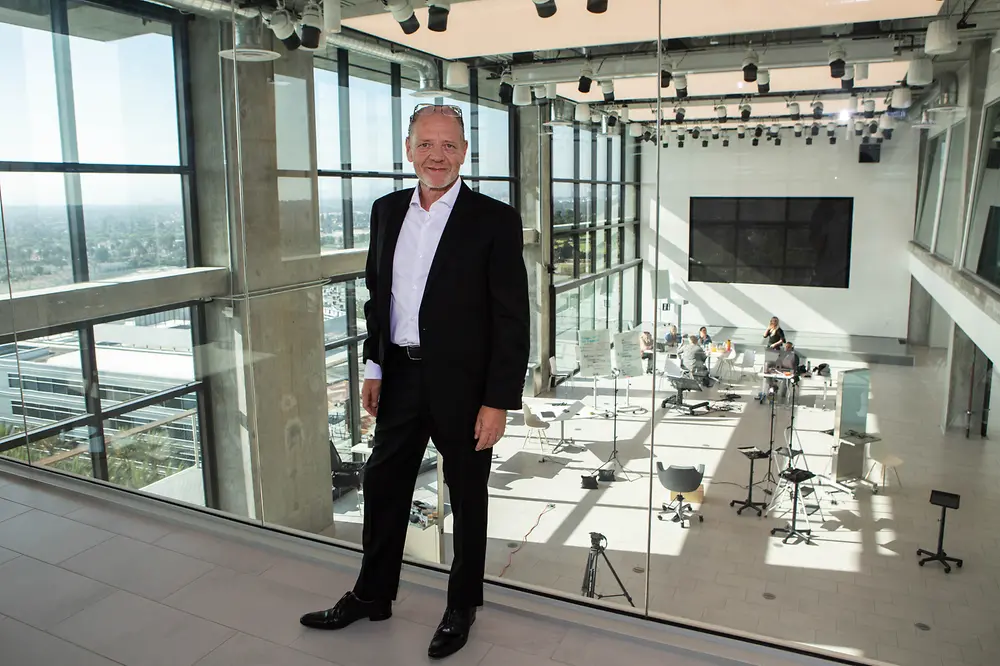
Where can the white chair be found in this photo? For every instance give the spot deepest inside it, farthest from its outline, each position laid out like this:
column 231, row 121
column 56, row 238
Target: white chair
column 748, row 363
column 554, row 376
column 879, row 454
column 727, row 363
column 536, row 428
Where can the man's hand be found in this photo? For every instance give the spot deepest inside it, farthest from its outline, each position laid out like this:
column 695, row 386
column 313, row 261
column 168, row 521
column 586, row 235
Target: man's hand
column 490, row 425
column 370, row 392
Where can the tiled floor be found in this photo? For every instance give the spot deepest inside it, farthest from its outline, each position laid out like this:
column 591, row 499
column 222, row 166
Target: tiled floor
column 87, row 583
column 857, row 589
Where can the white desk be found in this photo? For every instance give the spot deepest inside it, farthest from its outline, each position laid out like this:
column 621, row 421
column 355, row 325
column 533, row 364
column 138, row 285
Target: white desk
column 557, row 411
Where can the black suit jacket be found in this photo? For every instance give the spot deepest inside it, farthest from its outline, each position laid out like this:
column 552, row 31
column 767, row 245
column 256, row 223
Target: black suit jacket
column 474, row 321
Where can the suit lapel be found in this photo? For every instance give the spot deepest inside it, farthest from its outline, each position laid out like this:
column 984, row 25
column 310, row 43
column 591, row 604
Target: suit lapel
column 451, row 236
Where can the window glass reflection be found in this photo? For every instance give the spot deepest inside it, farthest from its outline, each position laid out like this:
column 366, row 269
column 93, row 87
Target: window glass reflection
column 929, row 193
column 983, row 253
column 371, row 115
column 326, row 91
column 952, row 204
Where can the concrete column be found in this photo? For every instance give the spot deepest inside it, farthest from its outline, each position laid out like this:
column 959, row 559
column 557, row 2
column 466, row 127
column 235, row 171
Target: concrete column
column 535, row 201
column 966, row 377
column 919, row 325
column 264, row 358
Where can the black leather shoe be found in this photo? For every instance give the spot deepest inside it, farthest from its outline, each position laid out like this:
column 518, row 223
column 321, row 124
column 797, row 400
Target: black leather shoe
column 349, row 609
column 453, row 632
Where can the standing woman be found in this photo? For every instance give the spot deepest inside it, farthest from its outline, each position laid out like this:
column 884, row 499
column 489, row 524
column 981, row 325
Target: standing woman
column 774, row 337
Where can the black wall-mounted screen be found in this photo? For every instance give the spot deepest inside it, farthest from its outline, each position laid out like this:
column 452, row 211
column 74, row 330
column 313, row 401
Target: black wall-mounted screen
column 791, row 241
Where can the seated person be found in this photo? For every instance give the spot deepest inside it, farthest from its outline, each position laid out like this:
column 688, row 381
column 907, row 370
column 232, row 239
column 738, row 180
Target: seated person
column 672, row 338
column 704, row 339
column 693, row 359
column 646, row 346
column 788, row 361
column 774, row 336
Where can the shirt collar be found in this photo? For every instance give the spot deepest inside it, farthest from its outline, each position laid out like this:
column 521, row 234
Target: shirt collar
column 448, row 199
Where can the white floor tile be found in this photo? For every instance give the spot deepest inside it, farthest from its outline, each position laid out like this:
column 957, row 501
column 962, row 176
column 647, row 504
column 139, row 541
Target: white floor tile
column 48, row 537
column 43, row 595
column 27, row 646
column 244, row 650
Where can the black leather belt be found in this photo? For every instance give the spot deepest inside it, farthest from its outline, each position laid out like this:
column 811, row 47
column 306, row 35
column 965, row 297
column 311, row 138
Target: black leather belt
column 412, row 352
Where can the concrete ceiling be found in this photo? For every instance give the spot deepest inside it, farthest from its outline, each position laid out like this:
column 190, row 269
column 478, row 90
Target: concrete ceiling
column 491, row 27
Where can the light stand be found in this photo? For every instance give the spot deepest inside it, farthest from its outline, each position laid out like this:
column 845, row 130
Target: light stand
column 628, row 407
column 769, row 478
column 598, row 544
column 613, row 458
column 597, row 410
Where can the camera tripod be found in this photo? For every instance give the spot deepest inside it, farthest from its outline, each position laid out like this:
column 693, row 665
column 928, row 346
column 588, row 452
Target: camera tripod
column 598, row 545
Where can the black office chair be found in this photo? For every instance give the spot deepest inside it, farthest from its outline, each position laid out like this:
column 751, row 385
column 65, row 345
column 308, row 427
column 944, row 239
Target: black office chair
column 344, row 475
column 679, row 480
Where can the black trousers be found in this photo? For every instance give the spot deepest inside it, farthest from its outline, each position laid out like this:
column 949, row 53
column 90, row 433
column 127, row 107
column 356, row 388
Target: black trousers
column 402, row 429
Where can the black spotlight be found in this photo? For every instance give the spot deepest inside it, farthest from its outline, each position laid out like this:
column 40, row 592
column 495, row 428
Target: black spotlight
column 696, row 133
column 612, row 120
column 777, row 140
column 704, row 143
column 798, row 130
column 749, row 71
column 680, row 142
column 665, row 77
column 817, row 110
column 402, row 11
column 865, row 140
column 585, row 81
column 681, row 84
column 745, row 111
column 809, row 141
column 679, row 115
column 545, row 8
column 794, row 111
column 741, row 132
column 437, row 15
column 833, row 140
column 283, row 28
column 312, row 25
column 847, row 84
column 814, row 130
column 763, row 82
column 666, row 145
column 608, row 90
column 756, row 142
column 758, row 131
column 597, row 6
column 506, row 93
column 725, row 143
column 647, row 136
column 859, row 128
column 837, row 62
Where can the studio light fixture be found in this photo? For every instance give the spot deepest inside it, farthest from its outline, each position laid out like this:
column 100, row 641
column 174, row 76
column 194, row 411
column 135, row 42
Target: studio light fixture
column 608, row 90
column 886, row 125
column 704, row 143
column 647, row 136
column 585, row 80
column 859, row 128
column 836, row 59
column 679, row 113
column 666, row 73
column 777, row 138
column 831, row 132
column 716, row 131
column 721, row 112
column 681, row 85
column 758, row 131
column 402, row 11
column 809, row 141
column 763, row 81
column 920, row 72
column 794, row 111
column 623, row 114
column 817, row 109
column 861, row 71
column 798, row 130
column 725, row 139
column 437, row 15
column 540, row 91
column 312, row 25
column 545, row 8
column 506, row 91
column 283, row 27
column 741, row 131
column 456, row 75
column 551, row 90
column 612, row 119
column 331, row 16
column 696, row 133
column 868, row 108
column 745, row 111
column 597, row 6
column 582, row 112
column 750, row 62
column 872, row 126
column 847, row 80
column 902, row 98
column 941, row 38
column 595, row 116
column 635, row 130
column 522, row 95
column 755, row 142
column 814, row 129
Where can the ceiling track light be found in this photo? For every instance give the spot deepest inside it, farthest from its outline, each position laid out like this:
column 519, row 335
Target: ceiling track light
column 817, row 110
column 597, row 6
column 506, row 91
column 545, row 8
column 608, row 90
column 402, row 11
column 868, row 108
column 763, row 81
column 437, row 15
column 596, row 117
column 582, row 112
column 635, row 130
column 283, row 27
column 814, row 129
column 721, row 113
column 623, row 114
column 716, row 130
column 941, row 38
column 847, row 80
column 331, row 17
column 758, row 131
column 798, row 130
column 741, row 131
column 750, row 65
column 920, row 72
column 540, row 91
column 902, row 98
column 586, row 79
column 886, row 124
column 681, row 85
column 312, row 25
column 696, row 133
column 794, row 111
column 666, row 73
column 679, row 113
column 522, row 95
column 745, row 111
column 836, row 59
column 456, row 75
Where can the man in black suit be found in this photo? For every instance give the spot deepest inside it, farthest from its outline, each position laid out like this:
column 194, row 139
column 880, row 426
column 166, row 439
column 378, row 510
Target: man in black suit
column 446, row 357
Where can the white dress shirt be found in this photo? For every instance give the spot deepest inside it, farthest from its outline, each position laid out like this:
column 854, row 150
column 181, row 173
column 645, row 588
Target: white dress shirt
column 411, row 263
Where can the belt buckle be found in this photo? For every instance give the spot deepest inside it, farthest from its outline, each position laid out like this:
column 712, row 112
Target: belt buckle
column 413, row 353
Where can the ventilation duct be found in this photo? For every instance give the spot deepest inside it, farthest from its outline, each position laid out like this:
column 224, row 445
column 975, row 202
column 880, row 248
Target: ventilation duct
column 561, row 113
column 946, row 98
column 248, row 42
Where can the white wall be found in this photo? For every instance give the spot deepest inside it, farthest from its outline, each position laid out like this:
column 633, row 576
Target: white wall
column 877, row 301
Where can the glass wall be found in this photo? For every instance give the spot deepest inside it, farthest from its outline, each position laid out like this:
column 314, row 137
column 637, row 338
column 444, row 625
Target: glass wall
column 952, row 197
column 930, row 186
column 982, row 255
column 594, row 230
